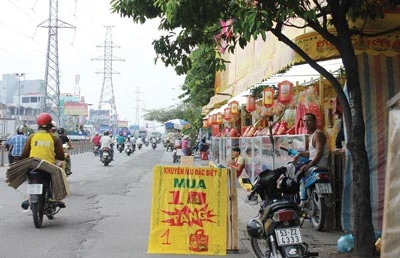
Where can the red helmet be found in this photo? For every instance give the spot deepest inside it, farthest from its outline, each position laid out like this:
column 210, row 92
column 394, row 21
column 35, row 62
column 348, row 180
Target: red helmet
column 43, row 119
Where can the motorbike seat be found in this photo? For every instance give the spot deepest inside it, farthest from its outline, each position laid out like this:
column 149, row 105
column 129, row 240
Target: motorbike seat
column 282, row 205
column 318, row 169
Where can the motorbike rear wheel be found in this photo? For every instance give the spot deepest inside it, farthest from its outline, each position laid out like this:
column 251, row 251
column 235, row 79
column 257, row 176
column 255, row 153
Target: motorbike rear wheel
column 37, row 211
column 317, row 211
column 260, row 248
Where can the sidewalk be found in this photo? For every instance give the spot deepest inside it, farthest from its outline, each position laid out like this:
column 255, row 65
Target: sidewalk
column 325, row 243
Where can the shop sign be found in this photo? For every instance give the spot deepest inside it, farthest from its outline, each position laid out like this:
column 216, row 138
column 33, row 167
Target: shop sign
column 189, row 211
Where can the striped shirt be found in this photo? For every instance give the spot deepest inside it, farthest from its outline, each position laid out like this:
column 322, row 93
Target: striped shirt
column 17, row 142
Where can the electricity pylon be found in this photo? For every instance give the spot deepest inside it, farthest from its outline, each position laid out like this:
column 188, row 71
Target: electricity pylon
column 107, row 96
column 51, row 101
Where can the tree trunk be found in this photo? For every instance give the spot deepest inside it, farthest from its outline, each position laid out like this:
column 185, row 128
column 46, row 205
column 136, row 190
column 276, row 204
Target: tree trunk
column 364, row 245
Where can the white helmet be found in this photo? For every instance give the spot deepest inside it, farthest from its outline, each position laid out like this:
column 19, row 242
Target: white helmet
column 20, row 129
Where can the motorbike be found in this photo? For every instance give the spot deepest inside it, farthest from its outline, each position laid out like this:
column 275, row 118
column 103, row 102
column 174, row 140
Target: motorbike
column 128, row 149
column 41, row 197
column 120, row 147
column 276, row 230
column 316, row 190
column 154, row 145
column 176, row 155
column 139, row 145
column 106, row 159
column 96, row 150
column 67, row 162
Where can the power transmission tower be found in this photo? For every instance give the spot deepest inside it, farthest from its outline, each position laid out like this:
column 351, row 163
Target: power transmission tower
column 137, row 108
column 77, row 88
column 51, row 101
column 107, row 90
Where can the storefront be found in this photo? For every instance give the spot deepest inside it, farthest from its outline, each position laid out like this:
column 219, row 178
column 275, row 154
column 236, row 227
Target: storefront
column 379, row 69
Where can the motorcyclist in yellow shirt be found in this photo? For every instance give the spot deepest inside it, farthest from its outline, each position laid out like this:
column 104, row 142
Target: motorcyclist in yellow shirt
column 44, row 145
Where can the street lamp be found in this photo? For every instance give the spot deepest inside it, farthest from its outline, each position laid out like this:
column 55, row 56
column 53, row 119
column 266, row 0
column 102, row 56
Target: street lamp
column 19, row 75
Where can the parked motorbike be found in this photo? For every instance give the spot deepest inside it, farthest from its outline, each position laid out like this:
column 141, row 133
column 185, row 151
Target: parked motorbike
column 317, row 190
column 176, row 156
column 106, row 159
column 275, row 231
column 41, row 199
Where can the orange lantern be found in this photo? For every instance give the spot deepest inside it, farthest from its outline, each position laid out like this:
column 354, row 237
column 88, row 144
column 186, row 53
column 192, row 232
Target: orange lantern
column 227, row 114
column 209, row 120
column 285, row 89
column 219, row 118
column 234, row 107
column 205, row 123
column 268, row 97
column 250, row 104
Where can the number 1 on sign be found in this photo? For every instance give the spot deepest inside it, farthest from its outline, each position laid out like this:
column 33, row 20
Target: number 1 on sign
column 166, row 235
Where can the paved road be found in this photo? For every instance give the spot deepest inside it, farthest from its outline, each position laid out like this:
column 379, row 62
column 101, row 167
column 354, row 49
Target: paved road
column 108, row 214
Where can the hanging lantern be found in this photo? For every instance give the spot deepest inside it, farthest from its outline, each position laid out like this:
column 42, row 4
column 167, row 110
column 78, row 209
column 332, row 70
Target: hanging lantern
column 285, row 90
column 209, row 120
column 234, row 107
column 219, row 118
column 205, row 123
column 227, row 114
column 268, row 97
column 214, row 119
column 250, row 104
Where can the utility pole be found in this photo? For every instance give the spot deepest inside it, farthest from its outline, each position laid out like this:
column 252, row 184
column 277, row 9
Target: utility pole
column 107, row 90
column 51, row 101
column 137, row 108
column 19, row 75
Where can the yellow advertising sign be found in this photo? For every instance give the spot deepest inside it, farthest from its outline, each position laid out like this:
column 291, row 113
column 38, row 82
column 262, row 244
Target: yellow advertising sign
column 189, row 210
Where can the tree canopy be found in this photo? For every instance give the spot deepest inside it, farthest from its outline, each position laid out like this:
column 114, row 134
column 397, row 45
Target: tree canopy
column 191, row 23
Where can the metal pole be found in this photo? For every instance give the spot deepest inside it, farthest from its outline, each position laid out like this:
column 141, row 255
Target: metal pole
column 19, row 75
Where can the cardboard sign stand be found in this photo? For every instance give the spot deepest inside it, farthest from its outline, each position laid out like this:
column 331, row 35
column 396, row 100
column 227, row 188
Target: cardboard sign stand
column 232, row 241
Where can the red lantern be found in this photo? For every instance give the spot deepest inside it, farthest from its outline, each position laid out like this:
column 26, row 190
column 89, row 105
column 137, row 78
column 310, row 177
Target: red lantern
column 234, row 107
column 227, row 114
column 268, row 97
column 214, row 119
column 251, row 104
column 285, row 89
column 219, row 118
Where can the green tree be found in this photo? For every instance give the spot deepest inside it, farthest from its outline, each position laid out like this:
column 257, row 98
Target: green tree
column 190, row 23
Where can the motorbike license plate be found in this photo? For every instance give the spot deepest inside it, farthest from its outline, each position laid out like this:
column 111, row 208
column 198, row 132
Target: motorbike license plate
column 323, row 188
column 288, row 236
column 35, row 189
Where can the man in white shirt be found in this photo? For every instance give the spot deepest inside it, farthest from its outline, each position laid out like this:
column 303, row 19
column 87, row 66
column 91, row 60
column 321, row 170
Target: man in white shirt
column 106, row 141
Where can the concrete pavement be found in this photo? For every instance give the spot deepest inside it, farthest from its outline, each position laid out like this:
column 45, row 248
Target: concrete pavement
column 323, row 242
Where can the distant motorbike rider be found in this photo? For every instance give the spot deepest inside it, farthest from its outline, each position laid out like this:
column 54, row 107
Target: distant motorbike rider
column 96, row 141
column 107, row 142
column 16, row 144
column 120, row 140
column 44, row 145
column 139, row 141
column 65, row 140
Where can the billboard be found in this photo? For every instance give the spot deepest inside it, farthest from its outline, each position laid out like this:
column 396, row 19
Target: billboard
column 101, row 117
column 75, row 109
